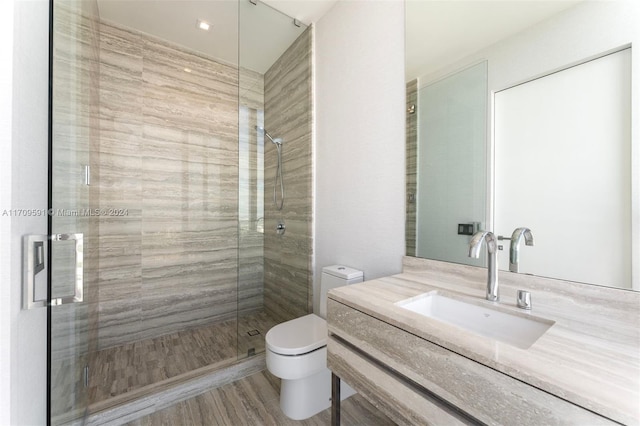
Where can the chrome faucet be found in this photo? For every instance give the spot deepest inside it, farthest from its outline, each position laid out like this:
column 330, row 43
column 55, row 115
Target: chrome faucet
column 492, row 249
column 514, row 246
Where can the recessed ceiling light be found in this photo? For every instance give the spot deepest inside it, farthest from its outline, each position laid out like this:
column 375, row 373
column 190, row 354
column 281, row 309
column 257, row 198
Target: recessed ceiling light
column 203, row 25
column 187, row 70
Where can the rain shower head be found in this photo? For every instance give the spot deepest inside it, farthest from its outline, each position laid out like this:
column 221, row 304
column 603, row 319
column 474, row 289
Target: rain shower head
column 277, row 141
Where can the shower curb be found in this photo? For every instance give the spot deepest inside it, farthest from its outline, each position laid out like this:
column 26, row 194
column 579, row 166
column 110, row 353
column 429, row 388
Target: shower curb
column 148, row 404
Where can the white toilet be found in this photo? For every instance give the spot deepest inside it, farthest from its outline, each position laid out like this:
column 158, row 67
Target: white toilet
column 297, row 353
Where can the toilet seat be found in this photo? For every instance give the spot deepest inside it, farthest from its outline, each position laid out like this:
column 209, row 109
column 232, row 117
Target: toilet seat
column 298, row 336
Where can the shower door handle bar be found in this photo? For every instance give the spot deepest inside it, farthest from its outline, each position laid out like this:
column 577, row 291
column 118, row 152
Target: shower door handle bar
column 78, row 294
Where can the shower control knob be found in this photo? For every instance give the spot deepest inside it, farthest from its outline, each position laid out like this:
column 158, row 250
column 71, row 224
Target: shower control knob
column 280, row 228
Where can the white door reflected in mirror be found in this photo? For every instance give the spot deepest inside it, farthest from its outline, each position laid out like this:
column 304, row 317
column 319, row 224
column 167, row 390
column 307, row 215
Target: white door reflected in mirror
column 569, row 131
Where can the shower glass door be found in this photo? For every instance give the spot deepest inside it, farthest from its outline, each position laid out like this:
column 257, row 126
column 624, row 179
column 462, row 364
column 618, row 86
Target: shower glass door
column 72, row 264
column 152, row 168
column 274, row 75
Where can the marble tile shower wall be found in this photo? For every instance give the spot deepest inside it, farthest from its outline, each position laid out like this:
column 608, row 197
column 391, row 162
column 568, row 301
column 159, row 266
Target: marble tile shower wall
column 169, row 155
column 288, row 115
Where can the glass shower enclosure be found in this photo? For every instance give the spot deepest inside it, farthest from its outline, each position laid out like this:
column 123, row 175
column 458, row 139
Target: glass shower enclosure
column 161, row 193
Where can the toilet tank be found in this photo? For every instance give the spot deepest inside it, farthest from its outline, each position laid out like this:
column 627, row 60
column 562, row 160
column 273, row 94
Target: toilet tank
column 336, row 276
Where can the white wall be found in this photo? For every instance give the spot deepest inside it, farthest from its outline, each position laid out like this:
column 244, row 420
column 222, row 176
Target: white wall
column 23, row 130
column 6, row 75
column 360, row 138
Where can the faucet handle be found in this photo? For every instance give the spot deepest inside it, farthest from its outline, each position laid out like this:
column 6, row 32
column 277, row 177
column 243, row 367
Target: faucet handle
column 502, row 238
column 524, row 299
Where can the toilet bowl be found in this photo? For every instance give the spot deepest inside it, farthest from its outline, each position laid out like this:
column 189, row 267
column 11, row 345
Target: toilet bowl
column 296, row 352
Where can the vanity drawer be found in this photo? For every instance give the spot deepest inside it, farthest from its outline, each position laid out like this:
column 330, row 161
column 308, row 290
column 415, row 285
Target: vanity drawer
column 482, row 393
column 403, row 404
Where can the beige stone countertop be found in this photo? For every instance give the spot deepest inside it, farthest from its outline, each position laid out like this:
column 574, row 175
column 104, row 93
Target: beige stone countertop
column 590, row 356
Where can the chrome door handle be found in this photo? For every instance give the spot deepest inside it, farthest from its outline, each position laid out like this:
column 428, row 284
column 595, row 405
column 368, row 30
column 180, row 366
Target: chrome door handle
column 78, row 294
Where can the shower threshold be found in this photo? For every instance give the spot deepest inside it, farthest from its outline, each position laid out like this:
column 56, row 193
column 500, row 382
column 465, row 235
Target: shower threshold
column 149, row 399
column 124, row 369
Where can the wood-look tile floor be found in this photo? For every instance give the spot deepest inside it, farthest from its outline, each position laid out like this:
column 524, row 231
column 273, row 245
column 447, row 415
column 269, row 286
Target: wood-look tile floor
column 254, row 401
column 118, row 370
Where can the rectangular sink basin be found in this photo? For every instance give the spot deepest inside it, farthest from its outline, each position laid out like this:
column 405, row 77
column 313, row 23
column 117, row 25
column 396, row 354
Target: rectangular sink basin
column 518, row 331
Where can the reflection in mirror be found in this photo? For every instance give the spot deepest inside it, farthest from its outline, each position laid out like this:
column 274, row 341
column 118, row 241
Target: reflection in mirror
column 581, row 115
column 537, row 42
column 451, row 180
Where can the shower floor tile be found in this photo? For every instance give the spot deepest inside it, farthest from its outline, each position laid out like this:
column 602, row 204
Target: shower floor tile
column 118, row 370
column 254, row 400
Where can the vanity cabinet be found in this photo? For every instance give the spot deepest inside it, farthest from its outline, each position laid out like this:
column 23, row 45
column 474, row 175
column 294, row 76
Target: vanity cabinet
column 414, row 381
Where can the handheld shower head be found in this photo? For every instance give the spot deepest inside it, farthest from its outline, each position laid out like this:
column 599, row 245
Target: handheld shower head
column 277, row 141
column 278, row 178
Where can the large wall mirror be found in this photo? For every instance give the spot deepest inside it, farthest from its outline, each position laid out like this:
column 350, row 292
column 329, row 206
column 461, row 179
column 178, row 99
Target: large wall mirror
column 524, row 114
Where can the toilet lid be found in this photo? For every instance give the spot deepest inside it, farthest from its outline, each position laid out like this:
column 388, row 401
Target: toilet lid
column 298, row 336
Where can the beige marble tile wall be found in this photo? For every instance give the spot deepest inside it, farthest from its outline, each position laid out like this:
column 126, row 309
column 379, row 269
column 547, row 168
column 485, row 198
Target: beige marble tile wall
column 169, row 155
column 288, row 115
column 120, row 186
column 189, row 193
column 412, row 166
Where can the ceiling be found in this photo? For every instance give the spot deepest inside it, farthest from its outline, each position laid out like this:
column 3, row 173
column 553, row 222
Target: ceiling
column 307, row 11
column 266, row 33
column 438, row 31
column 441, row 32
